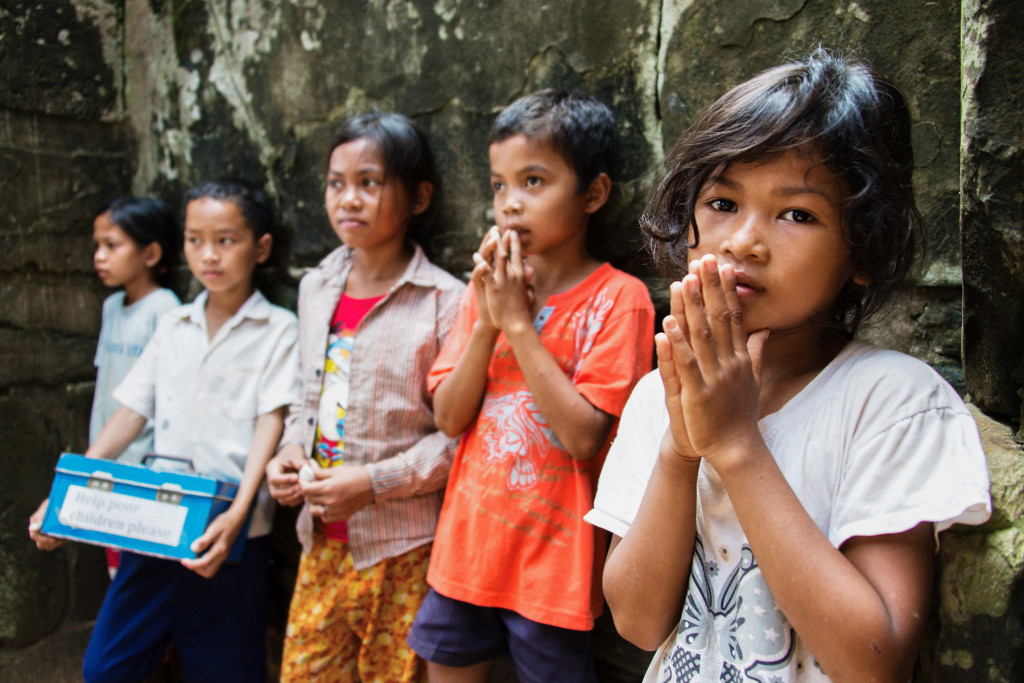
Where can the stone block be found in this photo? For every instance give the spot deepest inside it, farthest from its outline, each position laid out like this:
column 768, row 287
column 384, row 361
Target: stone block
column 992, row 204
column 56, row 175
column 61, row 57
column 34, row 586
column 63, row 305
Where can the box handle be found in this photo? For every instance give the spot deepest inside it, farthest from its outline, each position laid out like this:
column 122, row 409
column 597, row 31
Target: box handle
column 150, row 457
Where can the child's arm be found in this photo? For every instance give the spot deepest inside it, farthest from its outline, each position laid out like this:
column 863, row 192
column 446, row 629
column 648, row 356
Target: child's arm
column 581, row 427
column 218, row 538
column 859, row 609
column 123, row 427
column 647, row 571
column 457, row 398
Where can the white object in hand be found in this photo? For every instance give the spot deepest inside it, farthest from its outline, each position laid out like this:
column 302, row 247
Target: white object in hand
column 306, row 473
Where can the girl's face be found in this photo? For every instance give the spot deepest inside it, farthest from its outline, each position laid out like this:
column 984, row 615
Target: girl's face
column 779, row 223
column 118, row 259
column 220, row 247
column 367, row 209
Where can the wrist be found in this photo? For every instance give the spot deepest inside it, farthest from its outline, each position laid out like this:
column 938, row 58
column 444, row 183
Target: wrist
column 739, row 456
column 678, row 465
column 515, row 329
column 485, row 330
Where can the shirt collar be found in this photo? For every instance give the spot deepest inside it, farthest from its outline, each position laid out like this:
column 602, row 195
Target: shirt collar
column 256, row 307
column 416, row 273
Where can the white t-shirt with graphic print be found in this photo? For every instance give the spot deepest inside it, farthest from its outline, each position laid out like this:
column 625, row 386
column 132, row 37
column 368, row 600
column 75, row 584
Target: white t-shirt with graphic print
column 875, row 444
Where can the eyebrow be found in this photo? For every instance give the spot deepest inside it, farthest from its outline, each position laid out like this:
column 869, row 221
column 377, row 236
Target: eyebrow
column 788, row 191
column 365, row 170
column 532, row 168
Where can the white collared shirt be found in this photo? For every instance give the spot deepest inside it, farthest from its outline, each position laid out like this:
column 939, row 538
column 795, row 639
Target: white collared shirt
column 204, row 395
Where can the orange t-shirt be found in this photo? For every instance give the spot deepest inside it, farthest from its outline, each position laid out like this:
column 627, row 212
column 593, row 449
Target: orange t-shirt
column 511, row 532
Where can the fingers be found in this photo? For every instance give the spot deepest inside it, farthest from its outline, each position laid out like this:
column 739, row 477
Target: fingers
column 716, row 304
column 283, row 482
column 499, row 262
column 35, row 524
column 488, row 244
column 207, row 565
column 712, row 312
column 515, row 255
column 667, row 369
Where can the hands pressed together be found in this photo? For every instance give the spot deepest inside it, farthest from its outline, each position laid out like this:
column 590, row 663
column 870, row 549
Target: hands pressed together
column 333, row 494
column 709, row 366
column 502, row 280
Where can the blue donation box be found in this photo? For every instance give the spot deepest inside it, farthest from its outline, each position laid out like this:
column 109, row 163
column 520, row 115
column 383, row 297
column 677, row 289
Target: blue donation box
column 136, row 508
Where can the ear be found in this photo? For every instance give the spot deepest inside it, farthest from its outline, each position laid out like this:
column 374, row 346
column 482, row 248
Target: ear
column 424, row 193
column 861, row 280
column 263, row 245
column 597, row 194
column 152, row 253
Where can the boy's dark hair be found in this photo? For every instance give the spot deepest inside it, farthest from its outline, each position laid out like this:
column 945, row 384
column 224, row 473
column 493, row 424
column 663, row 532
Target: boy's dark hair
column 827, row 104
column 147, row 220
column 258, row 214
column 579, row 127
column 407, row 158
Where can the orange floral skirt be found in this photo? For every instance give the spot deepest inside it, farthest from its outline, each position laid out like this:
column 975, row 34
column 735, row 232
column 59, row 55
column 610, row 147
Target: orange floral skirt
column 349, row 625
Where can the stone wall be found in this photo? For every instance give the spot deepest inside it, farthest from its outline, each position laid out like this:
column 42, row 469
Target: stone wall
column 100, row 99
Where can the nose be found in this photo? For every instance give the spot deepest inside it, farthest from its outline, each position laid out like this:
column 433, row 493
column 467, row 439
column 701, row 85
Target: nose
column 99, row 255
column 745, row 241
column 513, row 204
column 350, row 197
column 209, row 252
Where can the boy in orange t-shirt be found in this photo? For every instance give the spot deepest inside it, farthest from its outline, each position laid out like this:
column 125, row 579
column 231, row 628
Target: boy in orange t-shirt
column 545, row 350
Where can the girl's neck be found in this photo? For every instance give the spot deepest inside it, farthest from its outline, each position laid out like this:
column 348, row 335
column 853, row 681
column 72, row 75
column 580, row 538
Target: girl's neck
column 554, row 273
column 139, row 289
column 375, row 271
column 791, row 360
column 222, row 306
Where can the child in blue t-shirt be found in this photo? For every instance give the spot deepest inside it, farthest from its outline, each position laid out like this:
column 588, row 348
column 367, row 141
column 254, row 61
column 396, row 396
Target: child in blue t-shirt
column 136, row 250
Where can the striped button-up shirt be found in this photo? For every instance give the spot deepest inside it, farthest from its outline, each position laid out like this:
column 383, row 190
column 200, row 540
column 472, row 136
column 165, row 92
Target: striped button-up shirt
column 389, row 427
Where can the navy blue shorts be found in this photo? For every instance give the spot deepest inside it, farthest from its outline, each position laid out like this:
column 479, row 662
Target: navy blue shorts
column 455, row 633
column 218, row 625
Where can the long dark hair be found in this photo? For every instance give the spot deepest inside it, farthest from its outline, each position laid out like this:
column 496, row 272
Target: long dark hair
column 407, row 158
column 834, row 106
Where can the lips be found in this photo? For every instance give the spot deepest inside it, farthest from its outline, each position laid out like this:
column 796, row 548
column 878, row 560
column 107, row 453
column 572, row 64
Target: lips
column 347, row 223
column 747, row 285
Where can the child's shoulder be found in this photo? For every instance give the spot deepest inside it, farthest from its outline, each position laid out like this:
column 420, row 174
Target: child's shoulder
column 438, row 276
column 891, row 381
column 163, row 298
column 113, row 301
column 620, row 286
column 279, row 314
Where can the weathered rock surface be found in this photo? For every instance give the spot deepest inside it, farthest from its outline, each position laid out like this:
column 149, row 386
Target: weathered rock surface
column 992, row 203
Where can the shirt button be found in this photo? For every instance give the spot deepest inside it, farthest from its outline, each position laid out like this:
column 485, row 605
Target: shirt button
column 318, row 372
column 310, row 420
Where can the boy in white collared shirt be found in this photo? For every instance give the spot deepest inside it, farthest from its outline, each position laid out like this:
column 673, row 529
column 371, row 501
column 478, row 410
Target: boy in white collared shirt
column 216, row 380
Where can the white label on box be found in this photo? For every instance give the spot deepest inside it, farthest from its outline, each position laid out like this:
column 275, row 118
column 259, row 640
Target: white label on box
column 128, row 516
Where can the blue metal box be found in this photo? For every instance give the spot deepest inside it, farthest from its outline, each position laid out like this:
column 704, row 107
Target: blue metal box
column 135, row 508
